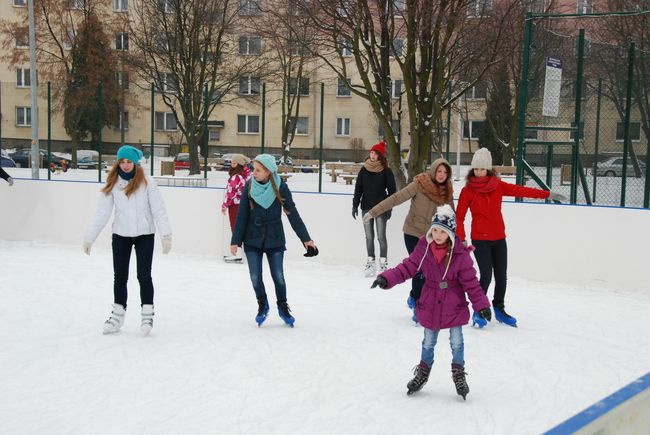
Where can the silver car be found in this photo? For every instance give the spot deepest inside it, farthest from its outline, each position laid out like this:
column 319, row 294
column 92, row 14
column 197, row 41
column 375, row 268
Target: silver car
column 613, row 167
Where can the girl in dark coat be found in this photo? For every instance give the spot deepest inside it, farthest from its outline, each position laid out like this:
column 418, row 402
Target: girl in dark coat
column 375, row 183
column 259, row 228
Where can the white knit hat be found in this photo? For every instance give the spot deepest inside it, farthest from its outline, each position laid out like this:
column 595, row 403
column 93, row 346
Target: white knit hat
column 482, row 159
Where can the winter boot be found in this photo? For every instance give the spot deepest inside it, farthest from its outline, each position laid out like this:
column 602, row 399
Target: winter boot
column 383, row 264
column 412, row 303
column 478, row 321
column 284, row 312
column 262, row 311
column 147, row 319
column 503, row 317
column 237, row 258
column 458, row 376
column 369, row 270
column 116, row 320
column 421, row 373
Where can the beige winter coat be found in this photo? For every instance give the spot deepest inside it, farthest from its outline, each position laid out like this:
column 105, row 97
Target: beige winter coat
column 425, row 196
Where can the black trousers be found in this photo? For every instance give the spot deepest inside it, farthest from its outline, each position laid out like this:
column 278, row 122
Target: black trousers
column 492, row 256
column 417, row 282
column 122, row 247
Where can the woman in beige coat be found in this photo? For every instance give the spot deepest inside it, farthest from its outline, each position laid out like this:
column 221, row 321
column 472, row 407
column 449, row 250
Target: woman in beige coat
column 427, row 192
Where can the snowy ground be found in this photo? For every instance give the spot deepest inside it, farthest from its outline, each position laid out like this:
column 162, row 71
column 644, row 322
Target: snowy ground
column 207, row 368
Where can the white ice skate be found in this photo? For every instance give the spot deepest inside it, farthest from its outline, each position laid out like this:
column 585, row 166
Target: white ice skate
column 383, row 264
column 147, row 320
column 370, row 268
column 237, row 258
column 116, row 320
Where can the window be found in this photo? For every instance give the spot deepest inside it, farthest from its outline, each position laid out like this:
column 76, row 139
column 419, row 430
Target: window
column 24, row 116
column 22, row 78
column 250, row 45
column 478, row 8
column 343, row 126
column 585, row 7
column 122, row 120
column 248, row 124
column 122, row 78
column 635, row 131
column 166, row 121
column 345, row 47
column 472, row 129
column 68, row 40
column 398, row 47
column 300, row 126
column 160, row 43
column 477, row 92
column 214, row 135
column 165, row 6
column 530, row 134
column 398, row 6
column 22, row 38
column 343, row 88
column 168, row 83
column 122, row 41
column 394, row 126
column 396, row 88
column 249, row 85
column 216, row 96
column 304, row 86
column 535, row 6
column 249, row 7
column 20, row 3
column 121, row 5
column 582, row 131
column 76, row 4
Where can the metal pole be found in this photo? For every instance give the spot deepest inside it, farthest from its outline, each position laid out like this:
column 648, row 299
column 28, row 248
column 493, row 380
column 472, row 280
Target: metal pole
column 263, row 117
column 628, row 108
column 523, row 99
column 320, row 140
column 49, row 129
column 597, row 141
column 459, row 136
column 153, row 120
column 578, row 117
column 100, row 122
column 448, row 121
column 205, row 131
column 36, row 154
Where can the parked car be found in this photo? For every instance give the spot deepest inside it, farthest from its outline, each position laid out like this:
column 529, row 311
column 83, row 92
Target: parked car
column 21, row 158
column 227, row 159
column 88, row 162
column 613, row 167
column 7, row 162
column 182, row 161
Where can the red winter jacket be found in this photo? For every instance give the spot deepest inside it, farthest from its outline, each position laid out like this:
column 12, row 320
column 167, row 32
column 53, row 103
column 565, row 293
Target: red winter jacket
column 487, row 220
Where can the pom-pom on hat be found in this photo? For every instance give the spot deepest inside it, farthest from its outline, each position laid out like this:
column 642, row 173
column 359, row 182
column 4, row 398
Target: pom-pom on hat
column 482, row 159
column 130, row 153
column 380, row 148
column 268, row 161
column 445, row 219
column 240, row 159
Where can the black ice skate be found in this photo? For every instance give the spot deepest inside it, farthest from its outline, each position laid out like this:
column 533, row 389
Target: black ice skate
column 458, row 375
column 421, row 372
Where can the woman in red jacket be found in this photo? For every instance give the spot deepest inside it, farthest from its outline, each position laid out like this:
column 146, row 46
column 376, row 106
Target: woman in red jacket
column 482, row 195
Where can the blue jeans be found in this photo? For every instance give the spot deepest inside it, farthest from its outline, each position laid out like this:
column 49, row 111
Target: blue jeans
column 275, row 258
column 381, row 235
column 455, row 340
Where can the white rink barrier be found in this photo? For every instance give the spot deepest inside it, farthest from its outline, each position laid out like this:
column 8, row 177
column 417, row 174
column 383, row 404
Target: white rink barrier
column 576, row 245
column 623, row 412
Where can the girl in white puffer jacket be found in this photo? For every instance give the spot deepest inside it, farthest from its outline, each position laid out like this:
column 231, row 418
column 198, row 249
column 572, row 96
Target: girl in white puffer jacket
column 139, row 208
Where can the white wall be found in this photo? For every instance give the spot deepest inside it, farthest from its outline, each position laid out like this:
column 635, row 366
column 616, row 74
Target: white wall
column 590, row 246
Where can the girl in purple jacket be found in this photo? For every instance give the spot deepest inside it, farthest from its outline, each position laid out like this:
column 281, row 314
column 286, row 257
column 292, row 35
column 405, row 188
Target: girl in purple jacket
column 450, row 275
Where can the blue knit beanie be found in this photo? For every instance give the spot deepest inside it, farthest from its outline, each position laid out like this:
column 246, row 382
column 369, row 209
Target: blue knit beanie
column 268, row 161
column 130, row 153
column 445, row 219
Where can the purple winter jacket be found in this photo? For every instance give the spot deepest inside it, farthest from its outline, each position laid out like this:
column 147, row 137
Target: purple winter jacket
column 441, row 308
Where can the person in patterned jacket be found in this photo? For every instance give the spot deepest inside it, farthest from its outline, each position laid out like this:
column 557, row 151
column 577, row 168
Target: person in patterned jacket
column 239, row 173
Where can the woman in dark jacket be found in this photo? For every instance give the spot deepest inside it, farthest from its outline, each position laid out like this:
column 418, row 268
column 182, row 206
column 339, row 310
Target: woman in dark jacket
column 375, row 183
column 259, row 228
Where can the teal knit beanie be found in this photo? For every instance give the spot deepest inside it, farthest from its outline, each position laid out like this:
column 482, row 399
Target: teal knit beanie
column 130, row 153
column 268, row 161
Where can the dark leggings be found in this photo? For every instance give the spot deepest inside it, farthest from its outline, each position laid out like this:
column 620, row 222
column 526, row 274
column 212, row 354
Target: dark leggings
column 418, row 280
column 492, row 256
column 122, row 247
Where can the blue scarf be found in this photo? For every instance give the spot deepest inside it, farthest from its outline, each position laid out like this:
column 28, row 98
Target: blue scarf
column 263, row 194
column 126, row 175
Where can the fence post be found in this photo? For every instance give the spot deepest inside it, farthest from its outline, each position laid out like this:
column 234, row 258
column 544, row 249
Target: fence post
column 597, row 139
column 578, row 117
column 523, row 98
column 626, row 131
column 49, row 130
column 263, row 117
column 320, row 140
column 153, row 120
column 205, row 132
column 100, row 125
column 448, row 121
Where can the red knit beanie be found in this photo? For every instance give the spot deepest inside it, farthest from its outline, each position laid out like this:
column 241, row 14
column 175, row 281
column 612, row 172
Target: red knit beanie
column 379, row 147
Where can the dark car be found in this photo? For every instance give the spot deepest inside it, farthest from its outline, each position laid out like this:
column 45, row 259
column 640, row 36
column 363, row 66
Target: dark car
column 21, row 157
column 88, row 162
column 7, row 162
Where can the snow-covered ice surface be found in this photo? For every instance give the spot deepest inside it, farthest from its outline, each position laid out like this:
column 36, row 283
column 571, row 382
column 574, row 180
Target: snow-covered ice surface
column 207, row 367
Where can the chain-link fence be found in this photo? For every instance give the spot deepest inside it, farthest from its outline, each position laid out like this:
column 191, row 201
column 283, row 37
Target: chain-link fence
column 586, row 68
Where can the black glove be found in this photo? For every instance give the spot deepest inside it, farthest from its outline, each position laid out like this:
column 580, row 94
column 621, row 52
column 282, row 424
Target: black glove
column 380, row 282
column 311, row 251
column 355, row 212
column 486, row 313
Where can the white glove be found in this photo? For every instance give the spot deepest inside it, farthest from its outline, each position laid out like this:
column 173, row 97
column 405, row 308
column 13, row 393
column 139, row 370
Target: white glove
column 366, row 218
column 87, row 246
column 554, row 196
column 167, row 244
column 10, row 181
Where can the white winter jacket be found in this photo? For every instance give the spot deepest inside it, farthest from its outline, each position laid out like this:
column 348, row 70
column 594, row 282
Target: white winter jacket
column 134, row 216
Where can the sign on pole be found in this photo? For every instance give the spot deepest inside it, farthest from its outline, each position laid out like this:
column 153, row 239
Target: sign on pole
column 552, row 86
